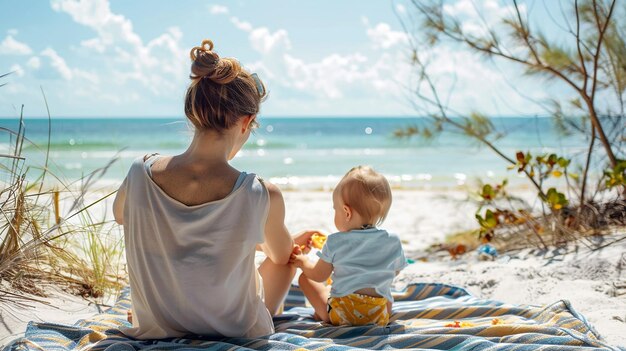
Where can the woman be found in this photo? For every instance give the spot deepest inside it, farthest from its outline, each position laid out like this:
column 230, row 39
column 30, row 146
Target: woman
column 192, row 222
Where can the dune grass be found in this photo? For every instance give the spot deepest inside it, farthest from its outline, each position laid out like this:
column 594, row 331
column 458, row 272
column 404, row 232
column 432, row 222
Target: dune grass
column 48, row 231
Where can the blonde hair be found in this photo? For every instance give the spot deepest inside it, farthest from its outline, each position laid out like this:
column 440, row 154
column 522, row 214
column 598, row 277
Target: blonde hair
column 367, row 192
column 221, row 91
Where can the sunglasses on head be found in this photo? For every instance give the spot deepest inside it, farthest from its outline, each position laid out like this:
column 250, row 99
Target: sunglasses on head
column 259, row 86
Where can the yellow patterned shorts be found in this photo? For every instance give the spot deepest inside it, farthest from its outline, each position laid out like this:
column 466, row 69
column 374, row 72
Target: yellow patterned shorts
column 357, row 309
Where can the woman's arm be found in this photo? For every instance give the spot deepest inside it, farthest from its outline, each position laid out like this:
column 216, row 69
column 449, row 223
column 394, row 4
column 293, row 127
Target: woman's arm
column 278, row 243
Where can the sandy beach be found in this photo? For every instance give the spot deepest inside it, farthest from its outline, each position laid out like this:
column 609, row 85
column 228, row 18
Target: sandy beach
column 496, row 123
column 593, row 282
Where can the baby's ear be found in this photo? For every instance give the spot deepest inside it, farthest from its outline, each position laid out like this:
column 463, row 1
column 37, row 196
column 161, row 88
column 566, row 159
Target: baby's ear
column 347, row 211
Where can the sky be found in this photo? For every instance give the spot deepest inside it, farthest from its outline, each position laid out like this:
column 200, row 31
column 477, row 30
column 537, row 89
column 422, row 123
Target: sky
column 117, row 58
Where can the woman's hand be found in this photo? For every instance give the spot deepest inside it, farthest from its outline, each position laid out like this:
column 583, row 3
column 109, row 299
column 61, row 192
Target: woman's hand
column 303, row 240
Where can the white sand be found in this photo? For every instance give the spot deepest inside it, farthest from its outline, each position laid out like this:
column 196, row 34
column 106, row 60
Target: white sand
column 59, row 307
column 421, row 218
column 589, row 280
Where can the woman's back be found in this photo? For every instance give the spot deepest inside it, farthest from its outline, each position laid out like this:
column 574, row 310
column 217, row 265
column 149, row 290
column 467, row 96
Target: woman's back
column 190, row 238
column 191, row 181
column 191, row 268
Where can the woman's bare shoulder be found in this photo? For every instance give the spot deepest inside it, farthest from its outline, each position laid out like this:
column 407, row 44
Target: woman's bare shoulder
column 273, row 190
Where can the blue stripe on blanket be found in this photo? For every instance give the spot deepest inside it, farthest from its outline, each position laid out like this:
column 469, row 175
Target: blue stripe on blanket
column 425, row 317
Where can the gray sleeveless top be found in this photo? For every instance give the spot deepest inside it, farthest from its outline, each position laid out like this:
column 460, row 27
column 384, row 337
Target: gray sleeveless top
column 191, row 268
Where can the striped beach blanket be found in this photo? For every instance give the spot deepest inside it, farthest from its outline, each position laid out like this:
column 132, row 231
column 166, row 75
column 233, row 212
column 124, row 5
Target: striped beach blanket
column 425, row 317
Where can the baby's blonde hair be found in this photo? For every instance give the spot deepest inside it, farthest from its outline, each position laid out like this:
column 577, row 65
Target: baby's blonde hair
column 367, row 192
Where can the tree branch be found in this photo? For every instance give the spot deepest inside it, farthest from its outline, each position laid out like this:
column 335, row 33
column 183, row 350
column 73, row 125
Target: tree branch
column 587, row 163
column 580, row 53
column 590, row 99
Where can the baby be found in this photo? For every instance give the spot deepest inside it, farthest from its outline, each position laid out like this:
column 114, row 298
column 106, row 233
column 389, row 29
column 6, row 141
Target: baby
column 362, row 258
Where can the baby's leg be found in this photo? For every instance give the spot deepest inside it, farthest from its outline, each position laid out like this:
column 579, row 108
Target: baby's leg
column 317, row 294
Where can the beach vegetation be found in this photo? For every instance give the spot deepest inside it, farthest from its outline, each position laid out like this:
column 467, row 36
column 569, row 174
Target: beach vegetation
column 579, row 195
column 47, row 232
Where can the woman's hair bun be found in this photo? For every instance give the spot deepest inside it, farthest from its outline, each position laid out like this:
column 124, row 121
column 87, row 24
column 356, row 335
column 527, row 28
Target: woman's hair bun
column 197, row 50
column 207, row 64
column 221, row 90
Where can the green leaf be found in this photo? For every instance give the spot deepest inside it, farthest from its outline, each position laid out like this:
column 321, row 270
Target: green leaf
column 488, row 192
column 576, row 103
column 557, row 57
column 552, row 159
column 489, row 222
column 615, row 176
column 528, row 158
column 555, row 199
column 491, row 219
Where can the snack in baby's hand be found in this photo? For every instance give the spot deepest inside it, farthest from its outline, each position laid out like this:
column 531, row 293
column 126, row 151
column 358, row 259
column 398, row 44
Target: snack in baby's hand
column 318, row 239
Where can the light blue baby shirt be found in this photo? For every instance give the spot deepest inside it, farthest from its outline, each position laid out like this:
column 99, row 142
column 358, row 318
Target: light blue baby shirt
column 367, row 258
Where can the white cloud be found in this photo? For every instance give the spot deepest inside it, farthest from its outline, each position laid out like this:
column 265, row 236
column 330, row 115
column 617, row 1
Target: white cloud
column 334, row 76
column 466, row 81
column 95, row 44
column 126, row 68
column 261, row 38
column 10, row 46
column 464, row 68
column 89, row 77
column 58, row 63
column 159, row 65
column 12, row 31
column 34, row 62
column 218, row 9
column 242, row 25
column 96, row 14
column 17, row 69
column 83, row 80
column 477, row 16
column 461, row 7
column 382, row 36
column 328, row 77
column 264, row 41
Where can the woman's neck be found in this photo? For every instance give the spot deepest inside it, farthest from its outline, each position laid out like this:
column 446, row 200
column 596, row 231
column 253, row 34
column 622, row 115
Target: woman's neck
column 209, row 148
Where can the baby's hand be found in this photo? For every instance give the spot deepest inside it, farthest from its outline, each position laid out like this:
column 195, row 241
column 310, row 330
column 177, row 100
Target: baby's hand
column 304, row 240
column 297, row 258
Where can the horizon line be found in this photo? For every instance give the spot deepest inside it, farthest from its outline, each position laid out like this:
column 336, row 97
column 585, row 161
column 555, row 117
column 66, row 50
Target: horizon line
column 261, row 117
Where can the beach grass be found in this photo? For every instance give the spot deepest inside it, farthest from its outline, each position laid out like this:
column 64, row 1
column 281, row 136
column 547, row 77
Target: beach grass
column 39, row 243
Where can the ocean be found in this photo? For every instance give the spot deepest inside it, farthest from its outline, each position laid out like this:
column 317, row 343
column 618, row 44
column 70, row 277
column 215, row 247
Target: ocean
column 296, row 153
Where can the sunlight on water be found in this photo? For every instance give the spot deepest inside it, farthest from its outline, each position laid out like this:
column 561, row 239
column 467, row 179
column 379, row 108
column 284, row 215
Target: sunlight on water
column 292, row 152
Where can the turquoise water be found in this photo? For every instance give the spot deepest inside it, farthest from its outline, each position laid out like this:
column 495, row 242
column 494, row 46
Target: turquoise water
column 293, row 152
